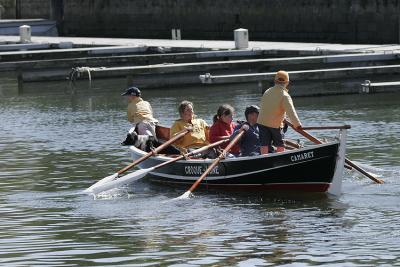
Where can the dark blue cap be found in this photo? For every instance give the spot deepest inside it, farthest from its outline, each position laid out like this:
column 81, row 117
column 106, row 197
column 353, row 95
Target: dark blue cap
column 251, row 109
column 134, row 91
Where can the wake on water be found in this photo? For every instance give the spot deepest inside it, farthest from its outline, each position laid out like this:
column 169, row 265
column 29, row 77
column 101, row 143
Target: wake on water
column 114, row 193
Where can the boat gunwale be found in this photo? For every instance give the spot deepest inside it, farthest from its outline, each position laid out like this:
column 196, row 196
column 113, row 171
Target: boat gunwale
column 269, row 155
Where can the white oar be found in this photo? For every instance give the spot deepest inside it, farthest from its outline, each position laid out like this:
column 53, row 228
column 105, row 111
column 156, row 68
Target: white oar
column 146, row 156
column 102, row 181
column 134, row 176
column 126, row 179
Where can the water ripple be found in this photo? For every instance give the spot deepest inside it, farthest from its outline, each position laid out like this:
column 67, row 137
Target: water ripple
column 52, row 146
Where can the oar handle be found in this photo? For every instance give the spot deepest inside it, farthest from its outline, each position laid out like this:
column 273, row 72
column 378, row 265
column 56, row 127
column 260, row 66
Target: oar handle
column 204, row 148
column 217, row 160
column 304, row 133
column 156, row 150
column 347, row 161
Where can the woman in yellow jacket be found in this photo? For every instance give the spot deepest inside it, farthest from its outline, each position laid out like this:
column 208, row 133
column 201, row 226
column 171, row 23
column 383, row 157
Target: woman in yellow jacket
column 275, row 103
column 198, row 135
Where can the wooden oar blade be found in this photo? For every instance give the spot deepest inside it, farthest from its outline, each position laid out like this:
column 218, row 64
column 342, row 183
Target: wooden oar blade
column 364, row 172
column 127, row 179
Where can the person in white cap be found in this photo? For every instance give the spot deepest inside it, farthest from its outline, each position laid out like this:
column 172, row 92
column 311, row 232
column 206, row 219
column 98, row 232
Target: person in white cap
column 275, row 104
column 140, row 113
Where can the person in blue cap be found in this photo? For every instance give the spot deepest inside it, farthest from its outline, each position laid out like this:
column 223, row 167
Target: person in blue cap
column 250, row 142
column 140, row 113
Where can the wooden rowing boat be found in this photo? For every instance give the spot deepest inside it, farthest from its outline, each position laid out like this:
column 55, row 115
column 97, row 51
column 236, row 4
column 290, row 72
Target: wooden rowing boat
column 315, row 168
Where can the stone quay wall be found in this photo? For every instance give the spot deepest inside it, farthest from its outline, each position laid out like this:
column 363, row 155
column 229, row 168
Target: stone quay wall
column 7, row 9
column 340, row 21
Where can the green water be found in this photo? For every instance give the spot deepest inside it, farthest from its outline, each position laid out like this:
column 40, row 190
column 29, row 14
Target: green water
column 54, row 144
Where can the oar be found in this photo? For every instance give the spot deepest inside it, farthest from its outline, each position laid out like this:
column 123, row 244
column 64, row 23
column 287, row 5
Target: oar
column 134, row 176
column 151, row 153
column 216, row 161
column 347, row 161
column 338, row 127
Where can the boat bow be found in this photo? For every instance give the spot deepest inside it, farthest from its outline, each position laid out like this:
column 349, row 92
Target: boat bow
column 336, row 186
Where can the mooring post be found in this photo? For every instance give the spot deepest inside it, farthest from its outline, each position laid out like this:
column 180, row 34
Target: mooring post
column 173, row 34
column 241, row 37
column 25, row 33
column 365, row 87
column 176, row 34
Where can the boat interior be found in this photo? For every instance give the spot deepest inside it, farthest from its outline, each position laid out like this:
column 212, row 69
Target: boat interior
column 163, row 134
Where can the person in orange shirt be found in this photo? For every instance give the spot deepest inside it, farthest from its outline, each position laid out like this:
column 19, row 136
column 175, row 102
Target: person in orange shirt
column 198, row 135
column 275, row 104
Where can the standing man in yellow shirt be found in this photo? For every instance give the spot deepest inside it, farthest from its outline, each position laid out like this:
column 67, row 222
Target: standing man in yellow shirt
column 275, row 103
column 140, row 113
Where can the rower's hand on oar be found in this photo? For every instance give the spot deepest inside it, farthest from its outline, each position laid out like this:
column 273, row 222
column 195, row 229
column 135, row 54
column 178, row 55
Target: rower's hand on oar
column 223, row 155
column 285, row 127
column 245, row 127
column 190, row 129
